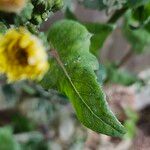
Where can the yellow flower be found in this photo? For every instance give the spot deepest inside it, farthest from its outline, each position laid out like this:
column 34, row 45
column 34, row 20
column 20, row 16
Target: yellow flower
column 22, row 56
column 12, row 5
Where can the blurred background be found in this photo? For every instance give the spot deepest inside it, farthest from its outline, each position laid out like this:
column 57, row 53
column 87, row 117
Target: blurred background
column 45, row 120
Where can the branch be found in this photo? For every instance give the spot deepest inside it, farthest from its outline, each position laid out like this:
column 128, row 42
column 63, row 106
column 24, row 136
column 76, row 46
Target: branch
column 125, row 58
column 117, row 15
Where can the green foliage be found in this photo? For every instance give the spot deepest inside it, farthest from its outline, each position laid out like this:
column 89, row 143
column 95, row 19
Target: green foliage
column 72, row 73
column 3, row 28
column 136, row 3
column 35, row 144
column 25, row 14
column 42, row 9
column 130, row 123
column 142, row 14
column 112, row 5
column 33, row 15
column 123, row 77
column 21, row 123
column 139, row 38
column 99, row 32
column 74, row 70
column 7, row 141
column 147, row 27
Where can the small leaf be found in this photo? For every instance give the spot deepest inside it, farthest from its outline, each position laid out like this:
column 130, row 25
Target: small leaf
column 139, row 38
column 3, row 28
column 7, row 141
column 72, row 73
column 142, row 14
column 24, row 15
column 130, row 123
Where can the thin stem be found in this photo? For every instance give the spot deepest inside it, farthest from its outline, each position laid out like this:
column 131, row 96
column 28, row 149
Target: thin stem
column 117, row 15
column 125, row 58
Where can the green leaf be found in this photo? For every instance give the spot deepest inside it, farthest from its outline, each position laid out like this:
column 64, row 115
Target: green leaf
column 136, row 3
column 116, row 4
column 7, row 141
column 104, row 4
column 114, row 75
column 72, row 73
column 142, row 13
column 24, row 15
column 3, row 28
column 139, row 38
column 147, row 27
column 22, row 123
column 130, row 123
column 99, row 32
column 36, row 144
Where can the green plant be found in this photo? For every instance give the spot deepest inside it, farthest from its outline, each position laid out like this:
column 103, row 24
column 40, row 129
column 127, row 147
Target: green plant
column 73, row 49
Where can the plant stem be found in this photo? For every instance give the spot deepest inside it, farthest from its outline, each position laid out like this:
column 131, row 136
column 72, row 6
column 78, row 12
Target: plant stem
column 113, row 19
column 125, row 58
column 117, row 15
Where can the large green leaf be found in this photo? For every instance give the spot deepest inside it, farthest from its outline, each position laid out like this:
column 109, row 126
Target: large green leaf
column 99, row 31
column 72, row 72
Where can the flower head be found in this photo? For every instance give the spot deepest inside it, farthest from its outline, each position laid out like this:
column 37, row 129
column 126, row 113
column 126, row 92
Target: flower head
column 22, row 55
column 12, row 5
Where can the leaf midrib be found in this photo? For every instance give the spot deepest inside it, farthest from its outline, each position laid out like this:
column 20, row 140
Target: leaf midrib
column 68, row 77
